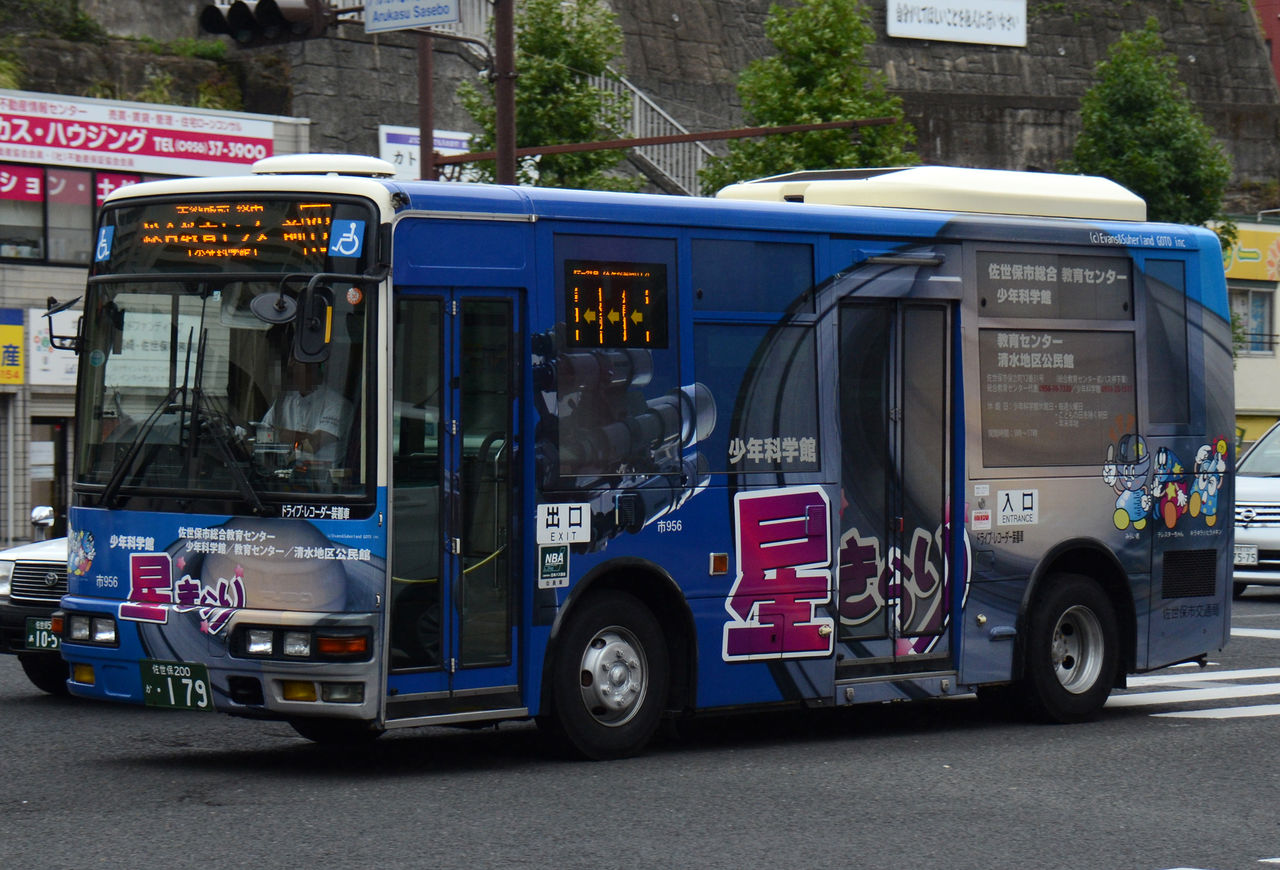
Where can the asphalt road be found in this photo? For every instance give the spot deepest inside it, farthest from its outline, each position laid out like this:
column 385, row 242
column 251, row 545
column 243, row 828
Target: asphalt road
column 1180, row 771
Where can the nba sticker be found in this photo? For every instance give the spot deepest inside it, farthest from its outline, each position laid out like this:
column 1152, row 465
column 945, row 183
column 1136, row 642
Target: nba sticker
column 553, row 567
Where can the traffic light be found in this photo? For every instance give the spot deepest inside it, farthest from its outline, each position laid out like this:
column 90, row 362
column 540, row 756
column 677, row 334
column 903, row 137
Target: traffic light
column 253, row 22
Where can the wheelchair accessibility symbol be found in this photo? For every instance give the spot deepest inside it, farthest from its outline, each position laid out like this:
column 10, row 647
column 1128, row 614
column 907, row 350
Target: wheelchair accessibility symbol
column 102, row 252
column 346, row 238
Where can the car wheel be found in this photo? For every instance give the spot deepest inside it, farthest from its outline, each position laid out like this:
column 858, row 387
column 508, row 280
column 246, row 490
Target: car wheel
column 47, row 672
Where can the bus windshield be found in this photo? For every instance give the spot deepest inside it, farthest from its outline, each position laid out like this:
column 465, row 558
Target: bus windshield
column 186, row 393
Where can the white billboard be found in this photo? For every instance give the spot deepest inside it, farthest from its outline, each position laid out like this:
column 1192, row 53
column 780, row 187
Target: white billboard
column 986, row 22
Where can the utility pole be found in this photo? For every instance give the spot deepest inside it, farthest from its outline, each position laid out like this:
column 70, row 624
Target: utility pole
column 503, row 65
column 426, row 108
column 504, row 95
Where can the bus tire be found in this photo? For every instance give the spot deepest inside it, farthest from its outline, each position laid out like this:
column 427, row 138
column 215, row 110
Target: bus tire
column 1072, row 650
column 48, row 673
column 336, row 732
column 609, row 679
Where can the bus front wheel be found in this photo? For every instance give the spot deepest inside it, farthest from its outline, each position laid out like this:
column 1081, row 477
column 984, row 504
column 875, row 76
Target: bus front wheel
column 609, row 680
column 336, row 732
column 1072, row 650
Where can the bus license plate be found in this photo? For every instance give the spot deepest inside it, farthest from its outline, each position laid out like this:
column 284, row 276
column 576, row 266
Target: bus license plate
column 1246, row 554
column 40, row 634
column 176, row 685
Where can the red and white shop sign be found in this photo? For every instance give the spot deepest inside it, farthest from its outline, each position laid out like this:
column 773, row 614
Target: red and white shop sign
column 129, row 137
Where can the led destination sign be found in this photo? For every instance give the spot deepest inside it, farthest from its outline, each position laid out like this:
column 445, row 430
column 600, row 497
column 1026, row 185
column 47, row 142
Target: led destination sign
column 254, row 235
column 615, row 304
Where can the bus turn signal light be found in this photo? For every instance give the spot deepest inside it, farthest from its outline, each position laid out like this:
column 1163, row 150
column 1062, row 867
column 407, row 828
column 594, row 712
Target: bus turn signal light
column 342, row 646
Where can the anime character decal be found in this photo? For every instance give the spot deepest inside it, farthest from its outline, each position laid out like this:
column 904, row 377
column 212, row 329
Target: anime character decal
column 1164, row 490
column 1125, row 471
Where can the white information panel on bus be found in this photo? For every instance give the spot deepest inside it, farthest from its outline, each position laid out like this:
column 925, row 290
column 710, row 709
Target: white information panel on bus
column 568, row 523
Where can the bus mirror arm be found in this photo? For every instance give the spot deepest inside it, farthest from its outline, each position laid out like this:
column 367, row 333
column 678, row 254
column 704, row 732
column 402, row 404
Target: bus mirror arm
column 64, row 342
column 314, row 322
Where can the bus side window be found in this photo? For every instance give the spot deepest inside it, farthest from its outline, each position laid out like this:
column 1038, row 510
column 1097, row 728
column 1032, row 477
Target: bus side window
column 1166, row 343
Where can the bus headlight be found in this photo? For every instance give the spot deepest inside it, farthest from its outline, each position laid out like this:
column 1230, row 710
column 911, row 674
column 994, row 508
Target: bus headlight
column 297, row 643
column 91, row 628
column 260, row 641
column 317, row 644
column 79, row 628
column 104, row 630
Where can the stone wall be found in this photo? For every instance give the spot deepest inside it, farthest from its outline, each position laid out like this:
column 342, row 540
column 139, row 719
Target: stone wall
column 978, row 105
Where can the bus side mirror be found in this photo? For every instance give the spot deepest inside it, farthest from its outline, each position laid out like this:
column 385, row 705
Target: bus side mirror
column 313, row 328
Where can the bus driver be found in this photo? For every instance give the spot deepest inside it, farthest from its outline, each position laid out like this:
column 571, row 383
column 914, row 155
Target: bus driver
column 308, row 414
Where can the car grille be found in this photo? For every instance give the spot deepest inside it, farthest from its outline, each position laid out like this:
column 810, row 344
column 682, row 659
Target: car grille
column 42, row 582
column 1250, row 514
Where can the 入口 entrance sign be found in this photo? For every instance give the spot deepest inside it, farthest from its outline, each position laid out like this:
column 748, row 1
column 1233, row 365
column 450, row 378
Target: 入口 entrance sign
column 384, row 15
column 986, row 22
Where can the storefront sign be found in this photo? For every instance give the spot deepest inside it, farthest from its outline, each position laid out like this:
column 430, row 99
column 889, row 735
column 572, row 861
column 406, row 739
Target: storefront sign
column 129, row 137
column 49, row 366
column 11, row 347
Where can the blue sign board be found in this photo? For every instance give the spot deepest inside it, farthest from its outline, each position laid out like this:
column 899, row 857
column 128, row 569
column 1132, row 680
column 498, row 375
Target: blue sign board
column 384, row 15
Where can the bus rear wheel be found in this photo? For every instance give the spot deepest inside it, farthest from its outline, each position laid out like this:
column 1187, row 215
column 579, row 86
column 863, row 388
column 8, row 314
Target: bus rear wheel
column 609, row 679
column 1072, row 650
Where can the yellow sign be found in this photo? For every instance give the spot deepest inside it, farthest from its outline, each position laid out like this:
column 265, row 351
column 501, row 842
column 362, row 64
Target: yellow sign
column 1256, row 254
column 12, row 347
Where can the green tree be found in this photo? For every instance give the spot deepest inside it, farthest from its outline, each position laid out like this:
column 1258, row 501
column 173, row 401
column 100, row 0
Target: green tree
column 818, row 75
column 1141, row 130
column 559, row 44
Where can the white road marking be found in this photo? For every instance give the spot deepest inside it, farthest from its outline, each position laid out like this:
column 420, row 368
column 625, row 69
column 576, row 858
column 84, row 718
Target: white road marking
column 1183, row 696
column 1252, row 712
column 1203, row 677
column 1270, row 633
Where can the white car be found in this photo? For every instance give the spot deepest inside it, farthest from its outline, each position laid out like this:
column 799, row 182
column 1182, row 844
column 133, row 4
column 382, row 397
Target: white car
column 1257, row 550
column 33, row 579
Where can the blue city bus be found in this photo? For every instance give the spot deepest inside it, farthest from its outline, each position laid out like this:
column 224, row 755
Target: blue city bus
column 597, row 459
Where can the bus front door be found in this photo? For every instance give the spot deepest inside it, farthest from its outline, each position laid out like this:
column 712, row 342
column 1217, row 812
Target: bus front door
column 452, row 631
column 895, row 386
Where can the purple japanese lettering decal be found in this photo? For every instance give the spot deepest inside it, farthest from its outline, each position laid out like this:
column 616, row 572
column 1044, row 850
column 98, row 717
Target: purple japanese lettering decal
column 784, row 576
column 150, row 588
column 914, row 583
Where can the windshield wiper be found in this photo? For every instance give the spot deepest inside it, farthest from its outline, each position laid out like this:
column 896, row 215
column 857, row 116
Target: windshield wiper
column 121, row 471
column 220, row 429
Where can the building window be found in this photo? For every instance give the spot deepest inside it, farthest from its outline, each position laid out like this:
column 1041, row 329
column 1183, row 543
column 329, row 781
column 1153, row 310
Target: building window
column 1253, row 310
column 47, row 213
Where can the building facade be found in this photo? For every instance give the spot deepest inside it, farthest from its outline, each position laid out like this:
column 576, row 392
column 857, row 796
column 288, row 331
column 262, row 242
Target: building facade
column 59, row 158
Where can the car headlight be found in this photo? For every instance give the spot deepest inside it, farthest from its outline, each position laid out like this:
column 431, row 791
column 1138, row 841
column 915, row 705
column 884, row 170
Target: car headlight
column 6, row 577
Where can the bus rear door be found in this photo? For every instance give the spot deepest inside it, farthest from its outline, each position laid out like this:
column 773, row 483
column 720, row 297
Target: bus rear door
column 895, row 387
